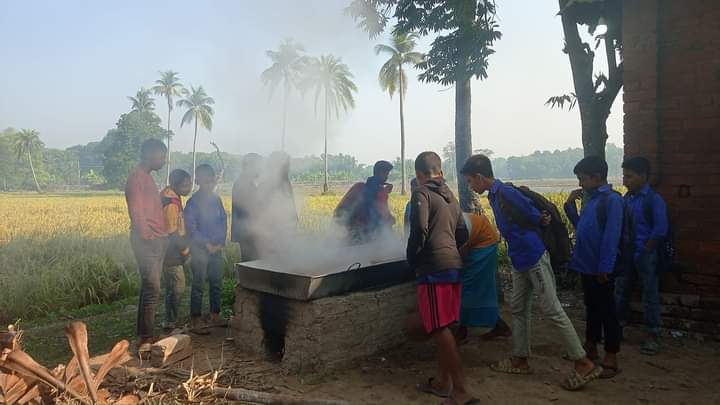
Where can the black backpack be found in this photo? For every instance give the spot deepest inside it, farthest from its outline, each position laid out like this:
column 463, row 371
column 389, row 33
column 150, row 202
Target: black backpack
column 666, row 253
column 555, row 236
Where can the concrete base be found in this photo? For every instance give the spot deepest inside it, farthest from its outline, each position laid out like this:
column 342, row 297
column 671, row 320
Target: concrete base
column 327, row 333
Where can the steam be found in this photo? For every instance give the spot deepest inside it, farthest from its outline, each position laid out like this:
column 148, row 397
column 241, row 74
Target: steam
column 284, row 247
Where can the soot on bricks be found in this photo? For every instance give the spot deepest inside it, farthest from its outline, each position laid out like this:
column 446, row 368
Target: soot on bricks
column 324, row 319
column 273, row 312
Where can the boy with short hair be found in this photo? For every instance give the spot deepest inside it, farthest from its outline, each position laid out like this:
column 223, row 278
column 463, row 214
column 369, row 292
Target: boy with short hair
column 206, row 222
column 178, row 249
column 646, row 226
column 597, row 233
column 364, row 210
column 437, row 229
column 532, row 275
column 148, row 236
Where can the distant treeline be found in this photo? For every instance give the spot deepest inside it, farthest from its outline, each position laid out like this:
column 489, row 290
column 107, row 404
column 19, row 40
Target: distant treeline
column 105, row 164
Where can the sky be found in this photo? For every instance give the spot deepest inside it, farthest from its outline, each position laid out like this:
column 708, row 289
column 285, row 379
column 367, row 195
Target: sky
column 68, row 67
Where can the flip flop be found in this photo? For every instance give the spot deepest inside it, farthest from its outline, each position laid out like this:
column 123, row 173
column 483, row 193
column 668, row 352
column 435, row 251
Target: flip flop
column 650, row 348
column 576, row 381
column 200, row 331
column 609, row 372
column 472, row 401
column 428, row 388
column 506, row 367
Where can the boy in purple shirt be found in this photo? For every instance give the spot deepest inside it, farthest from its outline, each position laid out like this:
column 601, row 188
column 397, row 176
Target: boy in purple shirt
column 206, row 222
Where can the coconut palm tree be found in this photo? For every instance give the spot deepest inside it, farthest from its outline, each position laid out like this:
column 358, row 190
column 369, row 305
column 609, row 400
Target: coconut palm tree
column 26, row 143
column 332, row 79
column 198, row 105
column 142, row 102
column 392, row 78
column 168, row 86
column 286, row 69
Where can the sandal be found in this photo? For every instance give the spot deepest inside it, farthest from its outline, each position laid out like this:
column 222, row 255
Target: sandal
column 506, row 367
column 429, row 388
column 472, row 401
column 576, row 381
column 650, row 348
column 609, row 372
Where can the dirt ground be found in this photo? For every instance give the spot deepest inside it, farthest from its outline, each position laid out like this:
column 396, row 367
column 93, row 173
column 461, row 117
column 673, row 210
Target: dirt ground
column 686, row 372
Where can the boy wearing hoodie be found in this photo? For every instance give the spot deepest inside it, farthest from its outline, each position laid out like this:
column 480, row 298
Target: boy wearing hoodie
column 437, row 229
column 178, row 248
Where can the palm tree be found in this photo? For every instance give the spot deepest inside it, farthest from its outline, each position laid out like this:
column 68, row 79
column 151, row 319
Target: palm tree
column 168, row 85
column 392, row 77
column 142, row 102
column 198, row 105
column 287, row 66
column 26, row 143
column 331, row 78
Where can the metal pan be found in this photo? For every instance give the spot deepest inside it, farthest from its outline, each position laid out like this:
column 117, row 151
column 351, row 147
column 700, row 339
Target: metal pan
column 259, row 276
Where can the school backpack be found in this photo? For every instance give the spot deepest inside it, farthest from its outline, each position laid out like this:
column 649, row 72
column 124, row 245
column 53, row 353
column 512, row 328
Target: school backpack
column 555, row 236
column 666, row 253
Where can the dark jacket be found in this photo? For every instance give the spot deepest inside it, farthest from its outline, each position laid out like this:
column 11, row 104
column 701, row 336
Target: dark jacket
column 437, row 229
column 244, row 209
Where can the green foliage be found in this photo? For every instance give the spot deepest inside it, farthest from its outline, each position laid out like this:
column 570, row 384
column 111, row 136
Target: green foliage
column 401, row 52
column 42, row 276
column 93, row 178
column 120, row 149
column 142, row 102
column 198, row 105
column 330, row 77
column 288, row 63
column 168, row 86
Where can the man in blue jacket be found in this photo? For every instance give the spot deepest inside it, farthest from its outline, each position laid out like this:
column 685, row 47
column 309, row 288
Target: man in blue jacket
column 206, row 223
column 597, row 239
column 646, row 223
column 532, row 273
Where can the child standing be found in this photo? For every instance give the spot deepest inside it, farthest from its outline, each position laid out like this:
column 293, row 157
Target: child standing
column 148, row 236
column 206, row 222
column 437, row 229
column 597, row 233
column 646, row 227
column 532, row 275
column 178, row 248
column 479, row 304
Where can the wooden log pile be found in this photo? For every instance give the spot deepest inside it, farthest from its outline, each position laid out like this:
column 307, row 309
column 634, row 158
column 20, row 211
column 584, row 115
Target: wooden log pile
column 25, row 381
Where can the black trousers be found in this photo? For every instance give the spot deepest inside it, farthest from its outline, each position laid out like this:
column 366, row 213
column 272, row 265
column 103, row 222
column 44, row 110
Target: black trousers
column 602, row 319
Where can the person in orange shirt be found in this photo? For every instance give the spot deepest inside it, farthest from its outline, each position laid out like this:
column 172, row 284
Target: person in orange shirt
column 479, row 303
column 179, row 249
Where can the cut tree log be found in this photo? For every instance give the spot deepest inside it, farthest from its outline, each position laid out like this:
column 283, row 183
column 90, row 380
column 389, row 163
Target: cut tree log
column 171, row 350
column 258, row 397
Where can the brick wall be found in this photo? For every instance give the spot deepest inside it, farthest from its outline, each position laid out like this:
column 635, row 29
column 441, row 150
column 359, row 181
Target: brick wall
column 672, row 116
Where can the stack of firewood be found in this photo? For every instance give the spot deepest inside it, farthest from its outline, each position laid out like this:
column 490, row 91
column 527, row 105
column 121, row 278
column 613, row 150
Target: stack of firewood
column 25, row 381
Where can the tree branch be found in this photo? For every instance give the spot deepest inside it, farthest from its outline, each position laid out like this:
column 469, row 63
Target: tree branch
column 612, row 88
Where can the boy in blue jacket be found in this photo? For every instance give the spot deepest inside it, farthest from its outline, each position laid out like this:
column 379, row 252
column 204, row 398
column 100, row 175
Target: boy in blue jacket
column 597, row 239
column 206, row 223
column 647, row 225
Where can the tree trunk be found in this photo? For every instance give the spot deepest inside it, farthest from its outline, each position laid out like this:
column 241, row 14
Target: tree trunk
column 594, row 132
column 326, row 186
column 463, row 139
column 402, row 137
column 167, row 162
column 284, row 119
column 193, row 153
column 32, row 169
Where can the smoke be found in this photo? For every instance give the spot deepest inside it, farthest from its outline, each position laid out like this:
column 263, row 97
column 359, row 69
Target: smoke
column 284, row 247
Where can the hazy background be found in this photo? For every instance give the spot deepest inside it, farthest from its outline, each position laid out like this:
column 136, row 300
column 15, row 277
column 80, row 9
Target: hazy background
column 67, row 68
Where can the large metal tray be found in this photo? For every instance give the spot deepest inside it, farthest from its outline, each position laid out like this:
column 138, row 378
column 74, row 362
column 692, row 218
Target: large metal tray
column 306, row 286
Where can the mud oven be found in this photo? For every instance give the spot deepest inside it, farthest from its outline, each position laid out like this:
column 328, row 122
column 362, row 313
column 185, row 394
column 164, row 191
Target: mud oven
column 312, row 320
